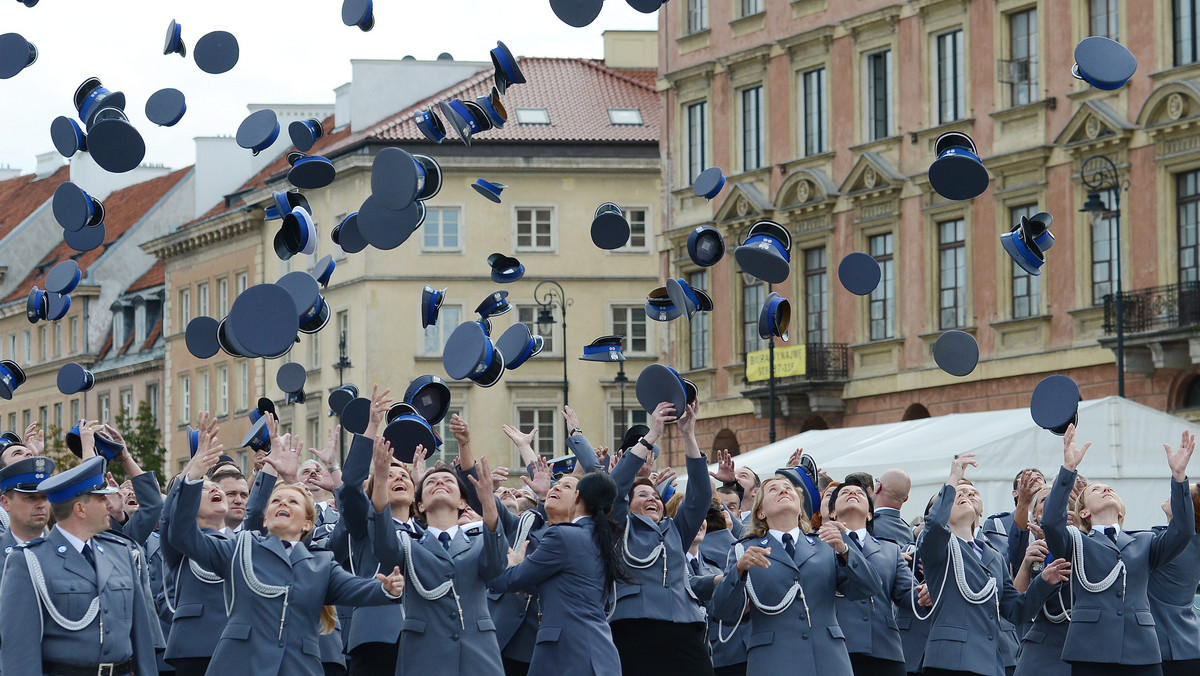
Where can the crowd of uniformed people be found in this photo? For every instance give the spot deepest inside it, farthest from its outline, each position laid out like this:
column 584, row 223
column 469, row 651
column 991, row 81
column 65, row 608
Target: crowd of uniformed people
column 607, row 567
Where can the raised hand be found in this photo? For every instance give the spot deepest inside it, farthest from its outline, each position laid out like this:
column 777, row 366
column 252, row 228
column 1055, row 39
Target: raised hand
column 1036, row 551
column 687, row 422
column 1058, row 570
column 328, row 455
column 418, row 464
column 571, row 418
column 208, row 454
column 831, row 534
column 35, row 439
column 380, row 403
column 483, row 488
column 726, row 472
column 285, row 460
column 958, row 467
column 794, row 458
column 323, row 479
column 541, row 478
column 663, row 413
column 87, row 437
column 460, row 430
column 521, row 439
column 663, row 479
column 516, row 556
column 754, row 557
column 1072, row 454
column 393, row 584
column 1178, row 460
column 499, row 476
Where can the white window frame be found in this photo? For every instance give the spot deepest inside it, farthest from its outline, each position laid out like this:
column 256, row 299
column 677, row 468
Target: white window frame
column 822, row 135
column 627, row 345
column 431, row 221
column 516, row 228
column 870, row 113
column 958, row 80
column 760, row 137
column 447, row 322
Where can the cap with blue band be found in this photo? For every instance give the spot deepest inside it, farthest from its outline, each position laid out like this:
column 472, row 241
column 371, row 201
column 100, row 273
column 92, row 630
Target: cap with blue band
column 86, row 477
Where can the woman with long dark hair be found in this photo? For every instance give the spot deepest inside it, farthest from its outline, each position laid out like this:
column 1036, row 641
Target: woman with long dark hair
column 573, row 568
column 657, row 627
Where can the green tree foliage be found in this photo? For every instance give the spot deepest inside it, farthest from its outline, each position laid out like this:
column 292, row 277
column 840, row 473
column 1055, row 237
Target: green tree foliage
column 143, row 440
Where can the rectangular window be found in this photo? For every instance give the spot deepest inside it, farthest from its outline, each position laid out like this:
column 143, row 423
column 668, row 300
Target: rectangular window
column 58, row 421
column 751, row 7
column 440, row 231
column 634, row 415
column 12, row 420
column 952, row 274
column 753, row 296
column 57, row 340
column 127, row 403
column 26, row 418
column 204, row 389
column 879, row 94
column 637, row 229
column 1187, row 192
column 883, row 298
column 630, row 321
column 243, row 281
column 12, row 345
column 625, row 116
column 43, row 417
column 74, row 414
column 698, row 327
column 314, row 351
column 528, row 315
column 697, row 139
column 1187, row 26
column 535, row 229
column 222, row 297
column 185, row 308
column 697, row 16
column 105, row 402
column 449, row 449
column 185, row 399
column 1104, row 232
column 202, row 299
column 1026, row 288
column 951, row 82
column 43, row 342
column 314, row 431
column 1103, row 18
column 1023, row 56
column 816, row 296
column 436, row 334
column 537, row 116
column 543, row 419
column 152, row 399
column 343, row 324
column 223, row 392
column 752, row 128
column 816, row 121
column 243, row 386
column 27, row 344
column 74, row 335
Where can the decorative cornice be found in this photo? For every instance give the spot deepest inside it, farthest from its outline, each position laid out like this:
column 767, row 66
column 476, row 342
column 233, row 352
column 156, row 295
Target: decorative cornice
column 225, row 226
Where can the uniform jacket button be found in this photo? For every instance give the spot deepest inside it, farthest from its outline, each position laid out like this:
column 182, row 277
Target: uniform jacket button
column 453, row 637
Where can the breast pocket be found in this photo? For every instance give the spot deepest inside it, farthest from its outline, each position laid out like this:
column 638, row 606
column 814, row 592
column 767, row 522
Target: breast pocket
column 413, row 626
column 118, row 596
column 1145, row 618
column 72, row 597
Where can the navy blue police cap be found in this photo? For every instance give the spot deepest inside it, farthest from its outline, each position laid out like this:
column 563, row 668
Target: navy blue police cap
column 305, row 133
column 86, row 477
column 1055, row 404
column 505, row 269
column 956, row 352
column 775, row 317
column 957, row 173
column 431, row 304
column 1103, row 63
column 604, row 348
column 705, row 246
column 216, row 52
column 24, row 475
column 508, row 72
column 16, row 54
column 517, row 345
column 610, row 229
column 764, row 251
column 1028, row 241
column 173, row 44
column 166, row 107
column 430, row 396
column 105, row 447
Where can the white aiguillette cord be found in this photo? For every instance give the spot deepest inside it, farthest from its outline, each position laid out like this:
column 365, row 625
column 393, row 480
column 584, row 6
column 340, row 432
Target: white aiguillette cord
column 242, row 550
column 989, row 590
column 1081, row 573
column 752, row 597
column 437, row 592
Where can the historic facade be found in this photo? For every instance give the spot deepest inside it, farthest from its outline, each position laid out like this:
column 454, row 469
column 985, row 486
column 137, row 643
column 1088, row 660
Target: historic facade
column 823, row 115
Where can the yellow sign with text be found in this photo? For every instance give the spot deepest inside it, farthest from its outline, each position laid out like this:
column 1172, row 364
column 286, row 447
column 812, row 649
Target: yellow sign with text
column 789, row 361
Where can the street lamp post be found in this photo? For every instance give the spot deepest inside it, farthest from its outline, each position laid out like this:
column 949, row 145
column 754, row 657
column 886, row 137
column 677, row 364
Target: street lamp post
column 341, row 365
column 1099, row 174
column 547, row 300
column 621, row 381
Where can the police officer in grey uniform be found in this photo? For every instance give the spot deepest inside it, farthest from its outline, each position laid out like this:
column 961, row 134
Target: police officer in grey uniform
column 28, row 510
column 1172, row 599
column 1112, row 626
column 73, row 599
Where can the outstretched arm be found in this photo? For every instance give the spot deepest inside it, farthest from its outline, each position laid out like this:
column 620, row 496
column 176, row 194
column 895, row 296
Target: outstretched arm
column 1171, row 542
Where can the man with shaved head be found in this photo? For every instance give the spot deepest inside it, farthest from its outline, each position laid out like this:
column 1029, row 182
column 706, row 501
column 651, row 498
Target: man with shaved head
column 891, row 492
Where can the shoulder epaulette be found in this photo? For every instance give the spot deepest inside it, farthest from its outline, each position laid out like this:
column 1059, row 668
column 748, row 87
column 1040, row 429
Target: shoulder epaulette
column 32, row 543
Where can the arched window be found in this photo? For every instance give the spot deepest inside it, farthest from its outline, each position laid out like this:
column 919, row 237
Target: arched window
column 814, row 422
column 726, row 440
column 915, row 412
column 1190, row 393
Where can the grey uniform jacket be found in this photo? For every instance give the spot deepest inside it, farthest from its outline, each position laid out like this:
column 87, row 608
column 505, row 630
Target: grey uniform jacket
column 804, row 635
column 375, row 624
column 1042, row 642
column 453, row 635
column 964, row 636
column 1172, row 594
column 516, row 615
column 870, row 624
column 122, row 629
column 657, row 592
column 1115, row 626
column 888, row 525
column 714, row 550
column 199, row 604
column 263, row 632
column 568, row 575
column 139, row 526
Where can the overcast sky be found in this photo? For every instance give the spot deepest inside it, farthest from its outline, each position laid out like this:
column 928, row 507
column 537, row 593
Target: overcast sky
column 292, row 51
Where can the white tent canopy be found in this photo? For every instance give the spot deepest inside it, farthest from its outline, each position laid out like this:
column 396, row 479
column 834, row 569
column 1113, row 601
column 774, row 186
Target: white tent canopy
column 1127, row 453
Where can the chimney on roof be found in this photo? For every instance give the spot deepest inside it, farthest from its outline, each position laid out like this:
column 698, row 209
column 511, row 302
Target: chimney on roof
column 7, row 172
column 631, row 49
column 48, row 163
column 341, row 104
column 392, row 86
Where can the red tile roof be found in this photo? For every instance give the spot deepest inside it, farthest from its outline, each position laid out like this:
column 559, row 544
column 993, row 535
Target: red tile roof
column 108, row 341
column 155, row 276
column 576, row 94
column 21, row 196
column 122, row 209
column 153, row 335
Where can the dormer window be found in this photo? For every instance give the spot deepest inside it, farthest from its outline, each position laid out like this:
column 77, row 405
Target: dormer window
column 625, row 116
column 533, row 116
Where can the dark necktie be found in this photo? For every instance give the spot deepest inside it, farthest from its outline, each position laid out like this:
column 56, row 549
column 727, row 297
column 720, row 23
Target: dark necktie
column 444, row 538
column 1111, row 532
column 695, row 565
column 855, row 540
column 87, row 554
column 789, row 545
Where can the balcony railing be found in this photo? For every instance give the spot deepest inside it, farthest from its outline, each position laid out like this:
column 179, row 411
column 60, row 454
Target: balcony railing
column 1156, row 308
column 827, row 361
